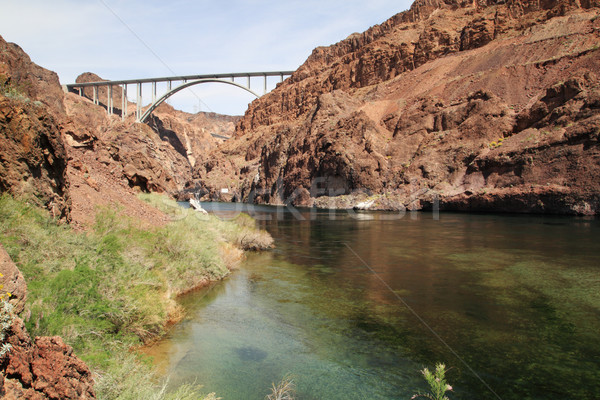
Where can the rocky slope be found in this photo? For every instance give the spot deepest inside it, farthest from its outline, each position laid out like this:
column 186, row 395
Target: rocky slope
column 72, row 157
column 483, row 105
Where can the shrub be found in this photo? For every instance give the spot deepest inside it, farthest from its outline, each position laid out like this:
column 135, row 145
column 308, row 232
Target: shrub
column 437, row 384
column 6, row 320
column 285, row 390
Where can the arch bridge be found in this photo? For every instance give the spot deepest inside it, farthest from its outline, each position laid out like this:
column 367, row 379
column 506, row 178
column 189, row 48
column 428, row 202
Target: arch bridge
column 182, row 82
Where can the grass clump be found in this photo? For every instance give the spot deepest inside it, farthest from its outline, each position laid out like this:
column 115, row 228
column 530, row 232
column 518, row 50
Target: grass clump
column 125, row 382
column 12, row 91
column 114, row 287
column 285, row 390
column 240, row 231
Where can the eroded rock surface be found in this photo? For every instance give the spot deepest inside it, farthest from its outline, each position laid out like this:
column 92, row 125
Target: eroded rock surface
column 481, row 105
column 42, row 368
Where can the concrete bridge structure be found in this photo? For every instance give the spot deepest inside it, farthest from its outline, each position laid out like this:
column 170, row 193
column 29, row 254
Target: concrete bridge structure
column 182, row 82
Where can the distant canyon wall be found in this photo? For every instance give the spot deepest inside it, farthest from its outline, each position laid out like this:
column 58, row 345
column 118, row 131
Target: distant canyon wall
column 479, row 105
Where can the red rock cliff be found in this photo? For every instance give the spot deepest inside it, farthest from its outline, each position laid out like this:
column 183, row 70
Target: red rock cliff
column 485, row 105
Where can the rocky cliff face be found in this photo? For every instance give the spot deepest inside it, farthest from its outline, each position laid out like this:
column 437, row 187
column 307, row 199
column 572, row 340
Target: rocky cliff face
column 71, row 157
column 33, row 158
column 483, row 105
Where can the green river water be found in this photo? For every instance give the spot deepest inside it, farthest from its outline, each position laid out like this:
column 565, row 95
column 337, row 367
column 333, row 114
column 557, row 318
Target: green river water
column 352, row 306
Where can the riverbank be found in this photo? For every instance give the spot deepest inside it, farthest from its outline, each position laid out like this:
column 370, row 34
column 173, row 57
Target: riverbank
column 115, row 287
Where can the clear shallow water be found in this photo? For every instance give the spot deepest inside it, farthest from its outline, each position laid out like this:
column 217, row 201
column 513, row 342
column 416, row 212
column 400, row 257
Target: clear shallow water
column 516, row 297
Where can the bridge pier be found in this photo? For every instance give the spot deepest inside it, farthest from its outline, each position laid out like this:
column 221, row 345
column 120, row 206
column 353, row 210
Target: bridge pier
column 95, row 95
column 138, row 112
column 124, row 102
column 153, row 92
column 110, row 100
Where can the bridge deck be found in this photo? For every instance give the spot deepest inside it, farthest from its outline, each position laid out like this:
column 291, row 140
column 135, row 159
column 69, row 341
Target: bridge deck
column 181, row 78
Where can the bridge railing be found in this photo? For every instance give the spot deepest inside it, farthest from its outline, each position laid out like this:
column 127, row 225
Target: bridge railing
column 184, row 79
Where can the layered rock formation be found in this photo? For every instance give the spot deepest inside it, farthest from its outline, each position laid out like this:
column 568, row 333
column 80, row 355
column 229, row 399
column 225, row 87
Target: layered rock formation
column 483, row 105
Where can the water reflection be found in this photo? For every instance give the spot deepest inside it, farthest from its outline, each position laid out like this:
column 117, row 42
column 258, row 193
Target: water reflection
column 517, row 297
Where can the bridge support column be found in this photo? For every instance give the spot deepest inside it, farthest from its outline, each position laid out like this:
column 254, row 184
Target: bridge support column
column 95, row 95
column 153, row 92
column 138, row 112
column 124, row 102
column 109, row 105
column 265, row 92
column 248, row 81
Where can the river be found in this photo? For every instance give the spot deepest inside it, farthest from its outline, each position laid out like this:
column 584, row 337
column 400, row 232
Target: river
column 352, row 306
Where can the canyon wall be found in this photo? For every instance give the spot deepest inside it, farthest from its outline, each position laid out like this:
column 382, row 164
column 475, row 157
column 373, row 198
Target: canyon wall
column 68, row 155
column 480, row 105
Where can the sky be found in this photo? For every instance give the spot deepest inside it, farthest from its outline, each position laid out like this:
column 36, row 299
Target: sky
column 130, row 39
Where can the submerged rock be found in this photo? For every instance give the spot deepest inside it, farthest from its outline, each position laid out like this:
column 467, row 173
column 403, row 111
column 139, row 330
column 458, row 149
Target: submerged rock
column 250, row 353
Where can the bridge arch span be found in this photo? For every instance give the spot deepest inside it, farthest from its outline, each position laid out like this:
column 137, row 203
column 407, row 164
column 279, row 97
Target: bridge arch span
column 185, row 85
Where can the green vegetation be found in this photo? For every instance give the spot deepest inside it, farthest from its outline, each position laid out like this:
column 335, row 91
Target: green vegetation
column 285, row 390
column 114, row 287
column 437, row 384
column 11, row 91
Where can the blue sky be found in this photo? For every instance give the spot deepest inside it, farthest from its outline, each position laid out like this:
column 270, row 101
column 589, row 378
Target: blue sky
column 123, row 39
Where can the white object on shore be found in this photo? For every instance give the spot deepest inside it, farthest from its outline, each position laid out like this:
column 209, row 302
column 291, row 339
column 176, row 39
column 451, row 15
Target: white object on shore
column 195, row 204
column 364, row 205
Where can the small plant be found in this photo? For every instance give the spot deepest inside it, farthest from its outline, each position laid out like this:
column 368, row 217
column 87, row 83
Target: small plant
column 6, row 320
column 496, row 144
column 285, row 390
column 437, row 384
column 11, row 91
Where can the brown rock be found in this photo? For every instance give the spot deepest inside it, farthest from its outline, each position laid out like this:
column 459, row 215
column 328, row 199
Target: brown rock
column 42, row 369
column 404, row 111
column 477, row 33
column 22, row 76
column 33, row 156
